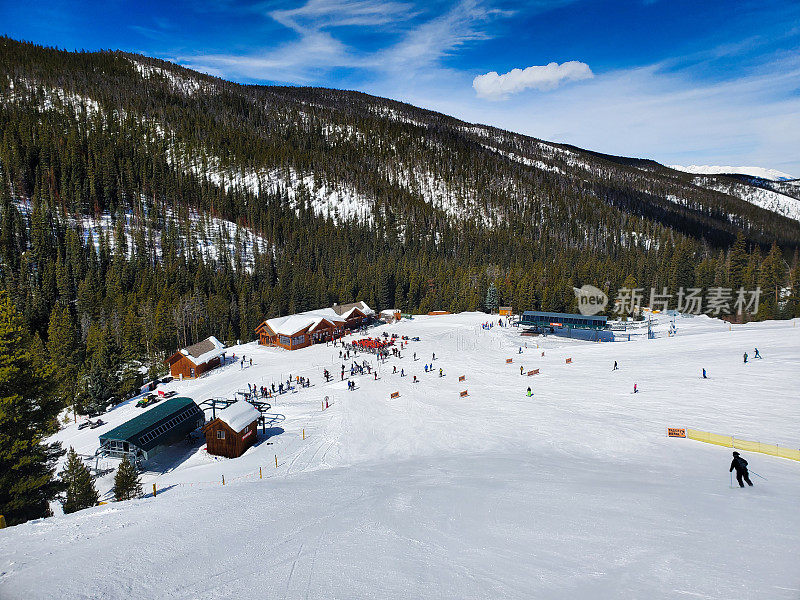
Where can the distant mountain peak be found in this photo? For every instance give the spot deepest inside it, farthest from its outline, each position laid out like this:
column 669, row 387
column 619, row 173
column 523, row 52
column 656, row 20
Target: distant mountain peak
column 771, row 174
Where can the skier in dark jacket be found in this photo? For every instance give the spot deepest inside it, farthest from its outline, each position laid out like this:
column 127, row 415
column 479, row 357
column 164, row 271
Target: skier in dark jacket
column 740, row 465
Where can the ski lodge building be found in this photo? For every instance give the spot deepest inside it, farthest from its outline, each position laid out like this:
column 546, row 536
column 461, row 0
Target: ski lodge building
column 195, row 360
column 149, row 433
column 233, row 430
column 293, row 332
column 587, row 327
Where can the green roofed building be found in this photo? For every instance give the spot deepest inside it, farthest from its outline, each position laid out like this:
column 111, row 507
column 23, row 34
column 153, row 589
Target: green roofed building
column 146, row 435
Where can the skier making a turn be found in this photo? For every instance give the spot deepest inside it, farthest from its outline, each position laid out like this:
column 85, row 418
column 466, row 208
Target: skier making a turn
column 740, row 465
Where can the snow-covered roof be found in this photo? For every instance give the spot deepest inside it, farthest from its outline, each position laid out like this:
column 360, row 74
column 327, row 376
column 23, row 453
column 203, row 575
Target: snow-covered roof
column 238, row 415
column 291, row 324
column 336, row 315
column 389, row 311
column 345, row 310
column 204, row 351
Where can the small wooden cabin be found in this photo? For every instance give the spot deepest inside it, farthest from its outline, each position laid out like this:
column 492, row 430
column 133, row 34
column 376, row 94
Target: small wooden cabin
column 195, row 360
column 233, row 430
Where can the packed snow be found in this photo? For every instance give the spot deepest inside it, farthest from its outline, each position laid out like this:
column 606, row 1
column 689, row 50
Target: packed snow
column 772, row 174
column 575, row 492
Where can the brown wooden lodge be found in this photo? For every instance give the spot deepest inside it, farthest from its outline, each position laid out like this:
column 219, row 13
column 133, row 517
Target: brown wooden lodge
column 297, row 331
column 197, row 359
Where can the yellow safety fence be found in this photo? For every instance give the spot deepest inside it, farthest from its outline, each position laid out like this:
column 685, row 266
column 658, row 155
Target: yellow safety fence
column 731, row 442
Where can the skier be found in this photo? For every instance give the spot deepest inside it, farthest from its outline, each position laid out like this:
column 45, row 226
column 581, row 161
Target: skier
column 434, row 356
column 745, row 358
column 426, row 368
column 740, row 465
column 415, row 356
column 440, row 372
column 704, row 374
column 402, row 373
column 394, row 369
column 251, row 362
column 520, row 350
column 756, row 354
column 529, row 393
column 415, row 379
column 520, row 370
column 616, row 368
column 635, row 389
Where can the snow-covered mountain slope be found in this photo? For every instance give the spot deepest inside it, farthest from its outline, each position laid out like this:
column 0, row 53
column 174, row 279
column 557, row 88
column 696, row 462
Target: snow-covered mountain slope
column 771, row 174
column 573, row 493
column 765, row 198
column 196, row 235
column 359, row 158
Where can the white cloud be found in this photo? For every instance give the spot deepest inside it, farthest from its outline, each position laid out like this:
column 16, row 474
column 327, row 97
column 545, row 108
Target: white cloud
column 416, row 41
column 674, row 117
column 540, row 77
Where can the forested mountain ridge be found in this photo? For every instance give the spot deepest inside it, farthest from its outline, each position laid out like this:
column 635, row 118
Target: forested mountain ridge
column 144, row 206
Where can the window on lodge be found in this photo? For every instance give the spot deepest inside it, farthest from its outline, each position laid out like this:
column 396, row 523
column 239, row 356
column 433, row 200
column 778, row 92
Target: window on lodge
column 285, row 340
column 220, row 434
column 300, row 339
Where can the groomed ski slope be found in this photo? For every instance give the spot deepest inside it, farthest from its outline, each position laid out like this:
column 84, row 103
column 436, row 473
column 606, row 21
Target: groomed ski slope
column 574, row 493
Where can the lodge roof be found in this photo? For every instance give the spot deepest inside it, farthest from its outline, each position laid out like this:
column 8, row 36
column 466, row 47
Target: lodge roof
column 201, row 352
column 345, row 310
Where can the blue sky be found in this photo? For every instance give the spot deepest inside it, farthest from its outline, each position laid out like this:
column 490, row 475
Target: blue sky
column 712, row 82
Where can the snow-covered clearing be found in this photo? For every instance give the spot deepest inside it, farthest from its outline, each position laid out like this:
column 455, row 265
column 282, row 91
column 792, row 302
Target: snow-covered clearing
column 574, row 493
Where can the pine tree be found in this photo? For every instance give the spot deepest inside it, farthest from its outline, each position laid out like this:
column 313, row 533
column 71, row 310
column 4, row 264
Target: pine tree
column 127, row 485
column 80, row 490
column 737, row 259
column 28, row 412
column 62, row 343
column 492, row 301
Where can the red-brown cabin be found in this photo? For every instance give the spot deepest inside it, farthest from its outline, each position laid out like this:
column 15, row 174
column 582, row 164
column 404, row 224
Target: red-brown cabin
column 233, row 430
column 195, row 360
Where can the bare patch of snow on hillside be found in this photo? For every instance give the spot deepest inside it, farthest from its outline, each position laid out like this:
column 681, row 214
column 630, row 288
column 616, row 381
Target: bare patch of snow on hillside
column 185, row 85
